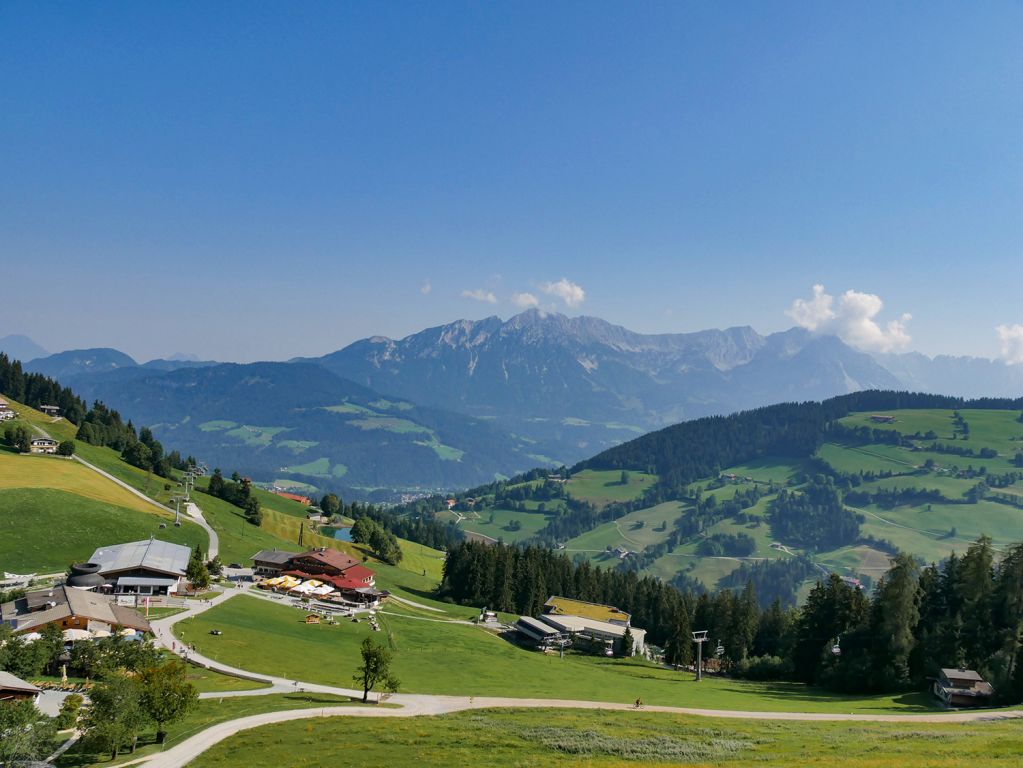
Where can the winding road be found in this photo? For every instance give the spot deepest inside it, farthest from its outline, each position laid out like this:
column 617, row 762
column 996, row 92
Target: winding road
column 414, row 705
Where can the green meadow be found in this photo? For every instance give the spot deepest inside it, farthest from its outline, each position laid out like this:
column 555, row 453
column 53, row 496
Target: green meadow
column 445, row 657
column 607, row 739
column 43, row 530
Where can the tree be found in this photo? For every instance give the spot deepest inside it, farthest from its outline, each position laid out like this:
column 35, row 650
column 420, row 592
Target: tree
column 896, row 611
column 330, row 505
column 25, row 733
column 70, row 708
column 362, row 530
column 376, row 668
column 627, row 645
column 166, row 695
column 115, row 716
column 197, row 572
column 18, row 437
column 624, row 477
column 216, row 484
column 66, row 448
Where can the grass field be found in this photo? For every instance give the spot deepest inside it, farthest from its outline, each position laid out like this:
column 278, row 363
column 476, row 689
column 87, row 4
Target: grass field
column 530, row 522
column 44, row 530
column 447, row 658
column 54, row 472
column 633, row 531
column 239, row 539
column 58, row 429
column 613, row 739
column 206, row 713
column 208, row 681
column 603, row 487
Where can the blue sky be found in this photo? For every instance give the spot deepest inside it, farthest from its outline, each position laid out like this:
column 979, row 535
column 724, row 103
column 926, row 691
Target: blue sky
column 254, row 180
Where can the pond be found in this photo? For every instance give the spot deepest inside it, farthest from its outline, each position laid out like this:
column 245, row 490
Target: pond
column 339, row 534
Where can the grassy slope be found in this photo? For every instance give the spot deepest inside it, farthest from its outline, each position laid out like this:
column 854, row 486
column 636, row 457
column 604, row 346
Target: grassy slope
column 603, row 487
column 206, row 713
column 613, row 739
column 442, row 657
column 26, row 471
column 44, row 530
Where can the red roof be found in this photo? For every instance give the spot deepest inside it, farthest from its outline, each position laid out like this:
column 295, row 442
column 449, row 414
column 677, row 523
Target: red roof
column 358, row 573
column 328, row 557
column 294, row 497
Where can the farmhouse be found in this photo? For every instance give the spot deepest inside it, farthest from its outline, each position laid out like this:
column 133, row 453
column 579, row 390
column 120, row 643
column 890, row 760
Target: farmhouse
column 597, row 623
column 50, row 410
column 880, row 418
column 42, row 445
column 148, row 567
column 5, row 411
column 322, row 562
column 962, row 688
column 69, row 608
column 15, row 689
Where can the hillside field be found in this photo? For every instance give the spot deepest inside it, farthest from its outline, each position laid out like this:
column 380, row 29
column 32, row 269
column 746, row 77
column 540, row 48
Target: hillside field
column 550, row 737
column 435, row 655
column 44, row 530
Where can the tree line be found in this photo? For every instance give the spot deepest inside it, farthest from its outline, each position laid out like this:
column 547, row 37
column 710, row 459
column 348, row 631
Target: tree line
column 965, row 611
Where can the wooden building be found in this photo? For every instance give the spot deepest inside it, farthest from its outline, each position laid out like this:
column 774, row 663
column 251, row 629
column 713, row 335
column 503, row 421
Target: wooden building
column 963, row 688
column 42, row 445
column 69, row 608
column 15, row 689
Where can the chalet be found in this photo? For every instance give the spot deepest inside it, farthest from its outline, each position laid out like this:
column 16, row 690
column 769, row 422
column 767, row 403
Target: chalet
column 50, row 410
column 361, row 575
column 962, row 688
column 42, row 445
column 597, row 623
column 15, row 689
column 69, row 608
column 271, row 562
column 5, row 411
column 322, row 562
column 881, row 418
column 148, row 567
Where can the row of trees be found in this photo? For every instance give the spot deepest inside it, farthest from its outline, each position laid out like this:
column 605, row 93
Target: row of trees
column 134, row 689
column 236, row 491
column 34, row 389
column 383, row 543
column 967, row 611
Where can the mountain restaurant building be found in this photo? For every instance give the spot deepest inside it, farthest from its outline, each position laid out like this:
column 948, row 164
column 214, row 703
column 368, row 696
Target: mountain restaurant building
column 148, row 567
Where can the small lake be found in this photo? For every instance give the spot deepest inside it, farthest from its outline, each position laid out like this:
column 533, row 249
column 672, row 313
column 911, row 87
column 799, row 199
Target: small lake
column 339, row 534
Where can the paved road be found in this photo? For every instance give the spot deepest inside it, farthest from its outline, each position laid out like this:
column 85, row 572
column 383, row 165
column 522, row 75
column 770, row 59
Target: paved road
column 192, row 512
column 413, row 705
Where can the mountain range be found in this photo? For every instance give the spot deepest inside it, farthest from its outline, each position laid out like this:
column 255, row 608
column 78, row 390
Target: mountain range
column 460, row 403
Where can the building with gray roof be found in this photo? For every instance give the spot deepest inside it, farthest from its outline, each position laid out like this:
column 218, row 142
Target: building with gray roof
column 149, row 567
column 69, row 608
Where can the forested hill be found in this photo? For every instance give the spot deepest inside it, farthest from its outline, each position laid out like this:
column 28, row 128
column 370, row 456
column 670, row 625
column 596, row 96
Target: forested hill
column 686, row 452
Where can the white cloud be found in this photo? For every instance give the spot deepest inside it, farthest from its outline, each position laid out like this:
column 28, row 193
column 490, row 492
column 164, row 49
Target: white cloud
column 573, row 295
column 480, row 294
column 853, row 318
column 525, row 300
column 1011, row 337
column 426, row 287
